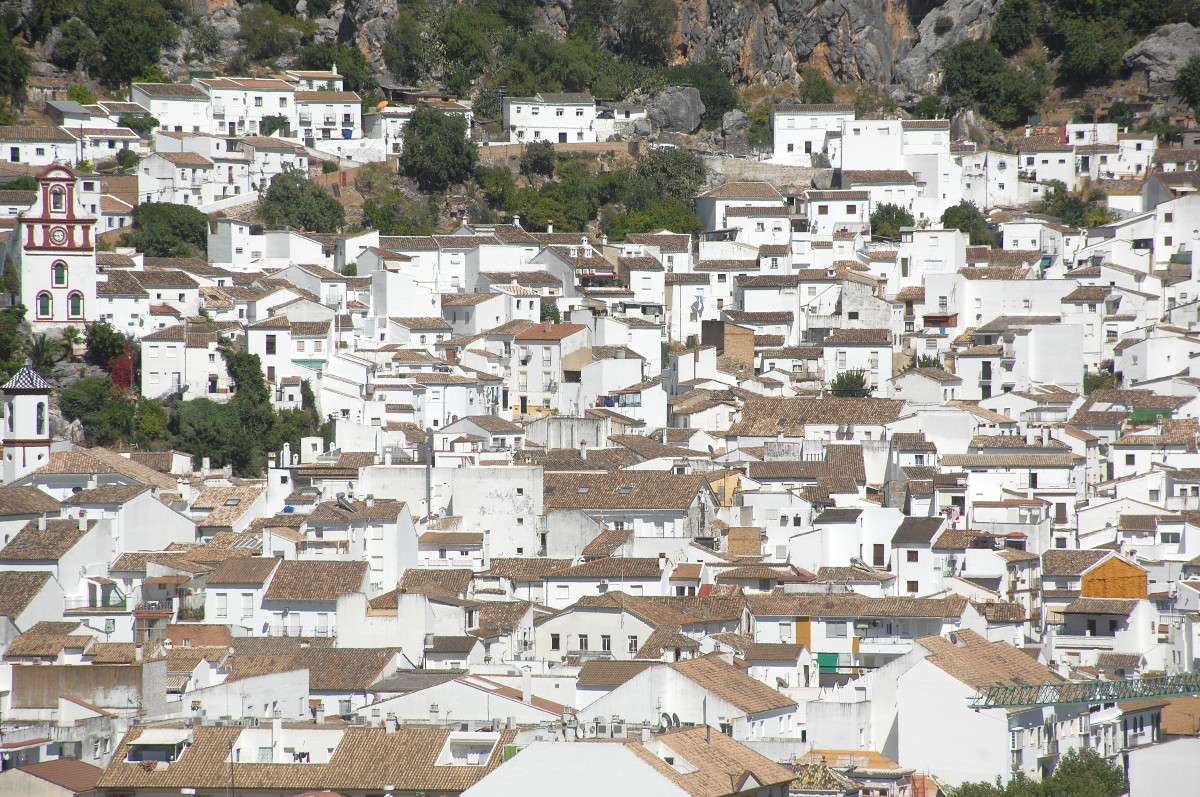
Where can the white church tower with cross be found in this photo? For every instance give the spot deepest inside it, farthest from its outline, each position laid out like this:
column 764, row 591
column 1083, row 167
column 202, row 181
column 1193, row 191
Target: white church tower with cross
column 26, row 424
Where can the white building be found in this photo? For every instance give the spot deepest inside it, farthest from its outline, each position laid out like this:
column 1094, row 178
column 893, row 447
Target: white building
column 563, row 118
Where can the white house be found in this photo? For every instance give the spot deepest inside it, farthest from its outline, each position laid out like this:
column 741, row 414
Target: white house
column 564, row 118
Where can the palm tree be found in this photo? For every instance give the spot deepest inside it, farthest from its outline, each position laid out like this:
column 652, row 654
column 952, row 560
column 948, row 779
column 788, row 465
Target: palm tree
column 43, row 352
column 71, row 338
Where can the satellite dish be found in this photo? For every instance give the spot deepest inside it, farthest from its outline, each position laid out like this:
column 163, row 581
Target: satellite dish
column 697, row 306
column 675, row 720
column 664, row 722
column 579, row 732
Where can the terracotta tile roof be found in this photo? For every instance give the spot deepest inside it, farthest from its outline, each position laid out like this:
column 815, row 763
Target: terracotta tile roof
column 1025, row 460
column 30, row 645
column 556, row 332
column 437, row 581
column 525, row 568
column 859, row 337
column 315, row 580
column 852, row 605
column 18, row 588
column 246, row 570
column 730, row 684
column 876, row 176
column 607, row 542
column 760, row 651
column 977, row 662
column 1117, row 606
column 743, row 190
column 452, row 644
column 70, row 774
column 620, row 490
column 106, row 494
column 609, row 673
column 51, row 543
column 852, row 574
column 768, row 416
column 176, row 90
column 917, row 530
column 722, row 765
column 612, row 567
column 26, row 501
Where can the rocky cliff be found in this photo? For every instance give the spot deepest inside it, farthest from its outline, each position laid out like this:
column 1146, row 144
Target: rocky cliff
column 770, row 41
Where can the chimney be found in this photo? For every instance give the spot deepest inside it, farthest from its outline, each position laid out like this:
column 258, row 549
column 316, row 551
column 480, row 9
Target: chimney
column 487, row 558
column 277, row 740
column 547, row 326
column 42, row 523
column 603, row 239
column 516, row 220
column 321, row 713
column 526, row 686
column 83, row 520
column 587, row 247
column 550, row 225
column 205, row 464
column 390, row 723
column 387, row 457
column 370, row 501
column 662, row 561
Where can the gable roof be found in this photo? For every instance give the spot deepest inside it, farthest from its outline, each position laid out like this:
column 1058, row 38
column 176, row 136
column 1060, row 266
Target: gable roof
column 976, row 662
column 621, row 490
column 730, row 684
column 18, row 588
column 306, row 579
column 51, row 543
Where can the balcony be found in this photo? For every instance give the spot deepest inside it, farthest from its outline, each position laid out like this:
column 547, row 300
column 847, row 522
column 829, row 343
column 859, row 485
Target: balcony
column 1084, row 642
column 112, row 605
column 305, row 119
column 155, row 609
column 218, row 110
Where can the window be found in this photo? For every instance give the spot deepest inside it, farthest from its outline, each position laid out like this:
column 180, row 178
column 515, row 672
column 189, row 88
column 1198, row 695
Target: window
column 583, row 642
column 822, row 210
column 58, row 274
column 45, row 305
column 606, row 643
column 222, row 601
column 270, row 344
column 555, row 642
column 912, row 586
column 878, row 555
column 1130, row 459
column 851, row 210
column 58, row 196
column 910, row 556
column 633, row 641
column 835, row 629
column 41, row 418
column 1168, row 218
column 258, row 102
column 75, row 305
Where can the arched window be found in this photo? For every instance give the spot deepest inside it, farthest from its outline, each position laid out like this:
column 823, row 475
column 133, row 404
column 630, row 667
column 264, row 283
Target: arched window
column 75, row 305
column 58, row 274
column 45, row 305
column 8, row 410
column 41, row 418
column 58, row 198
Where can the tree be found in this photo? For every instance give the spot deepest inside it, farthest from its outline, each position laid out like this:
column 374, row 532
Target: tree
column 549, row 312
column 1014, row 26
column 141, row 123
column 1187, row 83
column 538, row 158
column 293, row 200
column 761, row 135
column 403, row 51
column 130, row 47
column 965, row 216
column 204, row 428
column 43, row 352
column 104, row 344
column 437, row 152
column 968, row 69
column 850, row 384
column 266, row 33
column 648, row 30
column 85, row 397
column 497, row 184
column 929, row 361
column 77, row 47
column 273, row 124
column 1091, row 52
column 164, row 229
column 349, row 60
column 887, row 220
column 465, row 47
column 12, row 278
column 14, row 68
column 12, row 355
column 396, row 214
column 251, row 403
column 669, row 173
column 71, row 338
column 82, row 95
column 930, row 108
column 815, row 87
column 127, row 158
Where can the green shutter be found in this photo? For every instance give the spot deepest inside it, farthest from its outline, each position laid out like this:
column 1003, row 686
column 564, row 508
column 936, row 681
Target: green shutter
column 827, row 662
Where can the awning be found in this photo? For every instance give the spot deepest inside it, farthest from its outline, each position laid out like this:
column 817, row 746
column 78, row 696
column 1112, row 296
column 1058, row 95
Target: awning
column 162, row 736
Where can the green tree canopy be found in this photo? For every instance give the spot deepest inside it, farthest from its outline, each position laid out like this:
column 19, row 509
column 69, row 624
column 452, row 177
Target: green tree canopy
column 163, row 229
column 850, row 384
column 349, row 60
column 648, row 30
column 77, row 47
column 403, row 51
column 887, row 219
column 266, row 33
column 437, row 152
column 104, row 344
column 1014, row 26
column 292, row 200
column 965, row 216
column 1187, row 83
column 539, row 158
column 14, row 68
column 815, row 87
